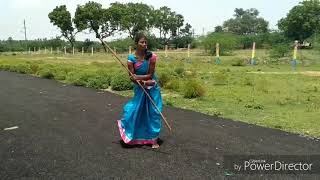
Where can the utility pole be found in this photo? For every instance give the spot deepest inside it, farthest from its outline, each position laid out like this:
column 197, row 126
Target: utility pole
column 193, row 33
column 25, row 30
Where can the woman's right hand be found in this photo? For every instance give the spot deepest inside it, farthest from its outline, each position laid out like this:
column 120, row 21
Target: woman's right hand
column 134, row 77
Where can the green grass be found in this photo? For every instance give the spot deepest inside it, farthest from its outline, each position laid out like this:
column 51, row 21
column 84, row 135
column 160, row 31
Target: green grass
column 254, row 94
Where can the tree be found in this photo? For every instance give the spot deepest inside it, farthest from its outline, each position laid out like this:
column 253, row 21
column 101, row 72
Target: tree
column 246, row 22
column 302, row 21
column 10, row 39
column 134, row 17
column 187, row 30
column 218, row 29
column 161, row 16
column 168, row 22
column 87, row 44
column 228, row 42
column 184, row 38
column 97, row 19
column 61, row 17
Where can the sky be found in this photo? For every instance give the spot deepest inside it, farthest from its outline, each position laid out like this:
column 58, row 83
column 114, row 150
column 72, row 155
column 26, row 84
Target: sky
column 203, row 15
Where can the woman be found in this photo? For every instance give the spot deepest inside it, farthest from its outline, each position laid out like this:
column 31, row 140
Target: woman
column 141, row 123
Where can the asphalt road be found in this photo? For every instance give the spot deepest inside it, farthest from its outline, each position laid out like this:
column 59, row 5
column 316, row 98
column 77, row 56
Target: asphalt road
column 69, row 132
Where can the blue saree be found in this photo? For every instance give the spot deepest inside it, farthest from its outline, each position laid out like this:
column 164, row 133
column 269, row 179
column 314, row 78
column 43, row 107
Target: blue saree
column 141, row 123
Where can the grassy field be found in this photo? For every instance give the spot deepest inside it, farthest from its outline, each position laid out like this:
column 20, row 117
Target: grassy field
column 269, row 94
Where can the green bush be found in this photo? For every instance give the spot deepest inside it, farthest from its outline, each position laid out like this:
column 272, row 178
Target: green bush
column 253, row 105
column 179, row 71
column 122, row 45
column 163, row 77
column 238, row 62
column 193, row 89
column 96, row 82
column 60, row 74
column 220, row 78
column 34, row 68
column 20, row 68
column 121, row 82
column 173, row 84
column 5, row 67
column 46, row 73
column 77, row 78
column 101, row 80
column 228, row 42
column 94, row 79
column 279, row 50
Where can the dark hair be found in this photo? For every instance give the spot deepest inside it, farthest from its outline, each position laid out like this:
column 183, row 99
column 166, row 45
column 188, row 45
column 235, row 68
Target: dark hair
column 139, row 36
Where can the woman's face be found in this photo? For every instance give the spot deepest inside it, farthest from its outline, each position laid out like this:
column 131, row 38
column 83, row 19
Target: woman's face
column 142, row 44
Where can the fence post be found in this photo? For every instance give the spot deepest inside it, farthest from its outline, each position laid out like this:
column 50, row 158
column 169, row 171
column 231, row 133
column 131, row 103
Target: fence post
column 165, row 50
column 294, row 57
column 253, row 55
column 217, row 53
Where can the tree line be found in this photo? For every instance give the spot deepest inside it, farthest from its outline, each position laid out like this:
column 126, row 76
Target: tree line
column 301, row 23
column 119, row 18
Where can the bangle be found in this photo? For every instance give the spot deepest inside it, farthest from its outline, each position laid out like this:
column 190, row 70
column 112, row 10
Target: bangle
column 144, row 83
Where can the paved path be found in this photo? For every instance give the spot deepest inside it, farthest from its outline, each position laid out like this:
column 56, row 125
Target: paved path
column 68, row 132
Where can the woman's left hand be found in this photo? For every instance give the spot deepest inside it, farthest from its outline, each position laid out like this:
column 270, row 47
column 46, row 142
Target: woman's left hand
column 149, row 82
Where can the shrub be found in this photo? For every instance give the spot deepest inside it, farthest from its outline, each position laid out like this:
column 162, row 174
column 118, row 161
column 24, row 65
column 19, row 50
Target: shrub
column 173, row 84
column 163, row 78
column 34, row 68
column 21, row 68
column 193, row 89
column 228, row 42
column 220, row 78
column 77, row 78
column 96, row 82
column 279, row 50
column 60, row 74
column 238, row 62
column 121, row 82
column 5, row 67
column 179, row 71
column 254, row 106
column 46, row 73
column 101, row 80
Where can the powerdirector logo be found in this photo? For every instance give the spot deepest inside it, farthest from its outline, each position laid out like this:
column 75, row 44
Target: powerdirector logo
column 272, row 164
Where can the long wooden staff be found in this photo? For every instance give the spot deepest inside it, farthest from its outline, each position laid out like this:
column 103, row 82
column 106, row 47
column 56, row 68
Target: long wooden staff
column 138, row 82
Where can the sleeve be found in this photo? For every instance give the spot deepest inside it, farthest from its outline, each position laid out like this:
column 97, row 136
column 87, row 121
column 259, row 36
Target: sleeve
column 131, row 58
column 154, row 57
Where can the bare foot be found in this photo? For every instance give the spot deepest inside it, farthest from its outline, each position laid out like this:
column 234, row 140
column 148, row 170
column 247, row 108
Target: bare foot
column 155, row 146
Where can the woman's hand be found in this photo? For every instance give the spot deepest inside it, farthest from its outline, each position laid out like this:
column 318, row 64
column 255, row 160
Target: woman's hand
column 134, row 77
column 149, row 82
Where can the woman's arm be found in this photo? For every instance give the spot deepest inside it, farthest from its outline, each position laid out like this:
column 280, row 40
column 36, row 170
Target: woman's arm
column 131, row 69
column 150, row 74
